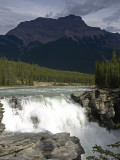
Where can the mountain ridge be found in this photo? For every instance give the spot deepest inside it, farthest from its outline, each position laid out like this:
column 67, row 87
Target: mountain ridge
column 48, row 29
column 66, row 43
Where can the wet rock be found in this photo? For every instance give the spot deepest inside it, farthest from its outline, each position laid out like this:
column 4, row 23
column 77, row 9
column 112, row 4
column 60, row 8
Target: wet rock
column 103, row 106
column 35, row 121
column 15, row 103
column 2, row 97
column 40, row 146
column 2, row 126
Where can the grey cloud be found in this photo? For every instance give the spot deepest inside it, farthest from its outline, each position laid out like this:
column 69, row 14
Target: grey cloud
column 115, row 17
column 86, row 7
column 3, row 9
column 112, row 29
column 10, row 19
column 48, row 15
column 4, row 28
column 14, row 11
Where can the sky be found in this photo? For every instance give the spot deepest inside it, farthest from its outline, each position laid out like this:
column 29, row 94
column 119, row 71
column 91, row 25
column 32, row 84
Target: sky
column 97, row 13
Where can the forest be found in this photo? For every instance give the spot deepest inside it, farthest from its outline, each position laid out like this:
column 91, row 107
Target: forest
column 107, row 74
column 20, row 73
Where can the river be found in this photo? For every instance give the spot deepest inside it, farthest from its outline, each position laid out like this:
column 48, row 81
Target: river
column 52, row 109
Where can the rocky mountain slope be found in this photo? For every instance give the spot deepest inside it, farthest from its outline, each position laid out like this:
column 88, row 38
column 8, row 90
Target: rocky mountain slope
column 66, row 43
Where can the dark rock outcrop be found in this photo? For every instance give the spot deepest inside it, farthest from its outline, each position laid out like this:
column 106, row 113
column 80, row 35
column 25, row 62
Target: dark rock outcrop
column 102, row 106
column 15, row 103
column 40, row 146
column 2, row 126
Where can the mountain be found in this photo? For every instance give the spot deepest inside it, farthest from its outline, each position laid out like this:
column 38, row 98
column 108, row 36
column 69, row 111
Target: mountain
column 66, row 54
column 11, row 47
column 47, row 30
column 66, row 43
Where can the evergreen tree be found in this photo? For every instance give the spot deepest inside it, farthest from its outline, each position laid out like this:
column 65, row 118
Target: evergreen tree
column 20, row 73
column 108, row 74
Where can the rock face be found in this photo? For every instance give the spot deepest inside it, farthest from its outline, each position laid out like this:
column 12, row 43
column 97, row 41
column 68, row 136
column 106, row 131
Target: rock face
column 2, row 126
column 40, row 147
column 102, row 106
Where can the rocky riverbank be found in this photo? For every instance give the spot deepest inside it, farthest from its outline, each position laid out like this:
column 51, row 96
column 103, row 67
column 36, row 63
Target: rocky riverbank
column 103, row 106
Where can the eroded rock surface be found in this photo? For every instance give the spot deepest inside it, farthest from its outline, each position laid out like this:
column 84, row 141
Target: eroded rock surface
column 102, row 106
column 39, row 146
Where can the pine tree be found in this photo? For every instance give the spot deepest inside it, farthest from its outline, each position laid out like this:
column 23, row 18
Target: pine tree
column 108, row 74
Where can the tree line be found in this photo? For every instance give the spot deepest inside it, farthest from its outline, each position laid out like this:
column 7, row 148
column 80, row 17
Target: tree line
column 107, row 73
column 20, row 73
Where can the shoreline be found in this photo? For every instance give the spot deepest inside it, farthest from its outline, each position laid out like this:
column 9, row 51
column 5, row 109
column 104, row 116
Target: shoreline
column 41, row 84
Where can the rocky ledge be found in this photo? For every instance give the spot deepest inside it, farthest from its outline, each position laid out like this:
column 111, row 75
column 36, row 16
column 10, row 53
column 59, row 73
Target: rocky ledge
column 26, row 146
column 102, row 106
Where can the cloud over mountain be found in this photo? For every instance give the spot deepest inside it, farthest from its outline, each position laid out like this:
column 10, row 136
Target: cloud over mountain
column 99, row 12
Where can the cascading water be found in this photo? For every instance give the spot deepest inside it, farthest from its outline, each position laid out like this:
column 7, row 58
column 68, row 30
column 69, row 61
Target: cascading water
column 51, row 109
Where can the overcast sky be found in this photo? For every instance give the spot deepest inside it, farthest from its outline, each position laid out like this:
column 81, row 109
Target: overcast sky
column 99, row 13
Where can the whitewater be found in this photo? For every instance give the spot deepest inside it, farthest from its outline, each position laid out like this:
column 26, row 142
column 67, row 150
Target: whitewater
column 51, row 109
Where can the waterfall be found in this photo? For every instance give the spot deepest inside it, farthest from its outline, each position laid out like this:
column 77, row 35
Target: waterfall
column 55, row 114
